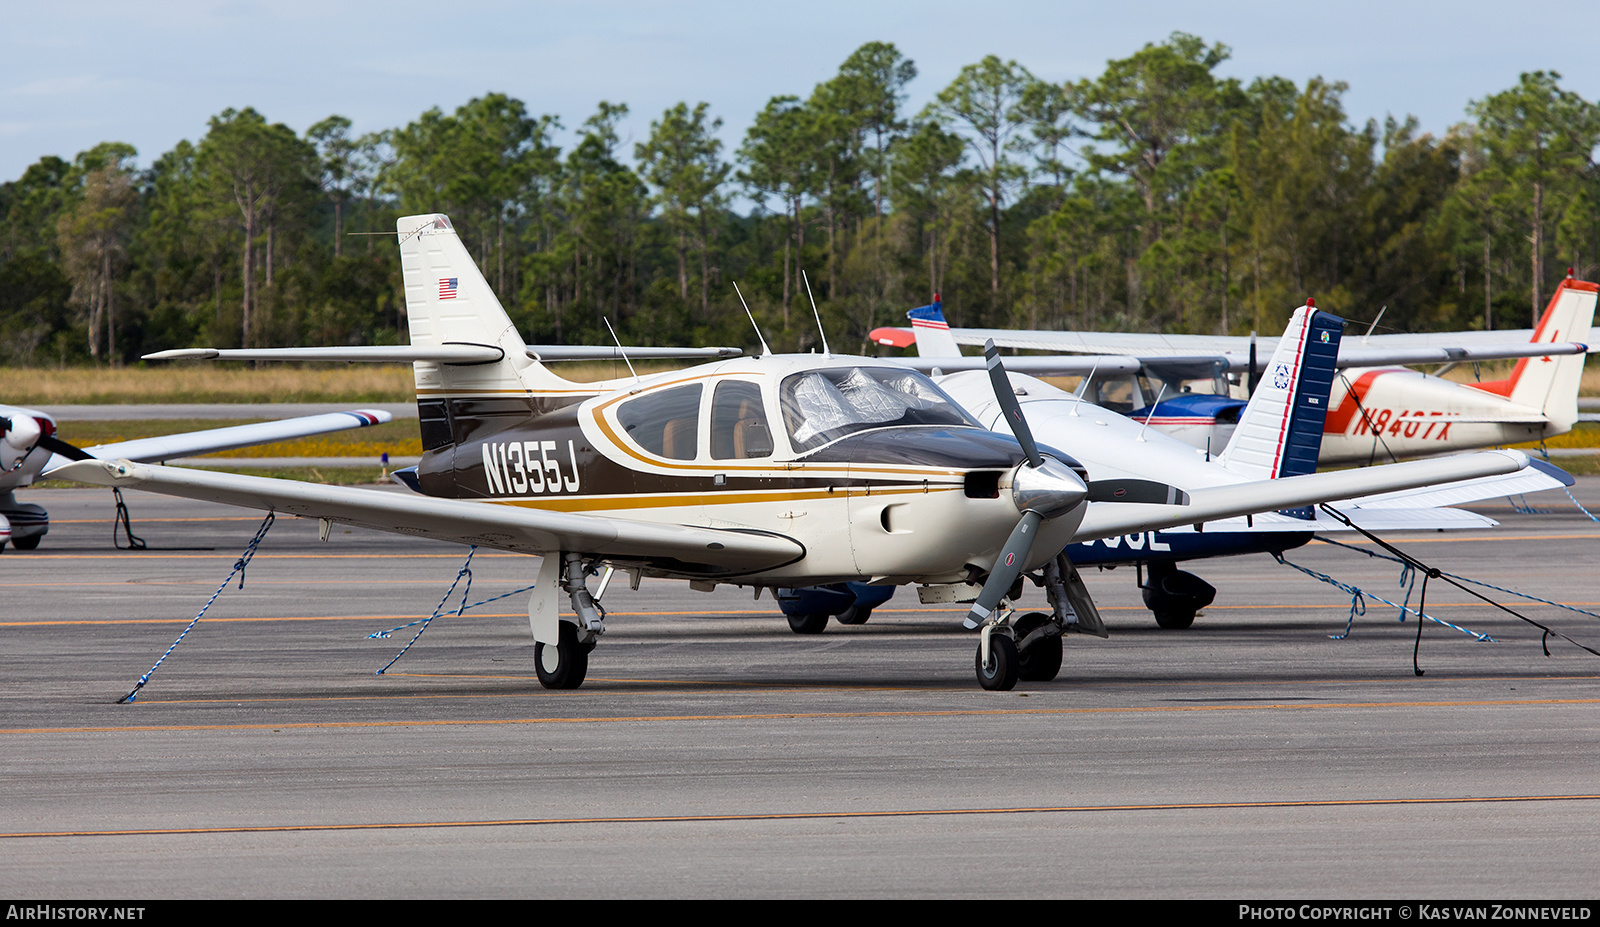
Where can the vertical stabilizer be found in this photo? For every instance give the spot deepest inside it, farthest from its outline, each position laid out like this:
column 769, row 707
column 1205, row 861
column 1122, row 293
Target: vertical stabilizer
column 932, row 331
column 449, row 302
column 1550, row 384
column 1280, row 430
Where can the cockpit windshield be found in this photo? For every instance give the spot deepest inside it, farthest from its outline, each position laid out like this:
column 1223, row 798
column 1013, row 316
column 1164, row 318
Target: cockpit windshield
column 820, row 406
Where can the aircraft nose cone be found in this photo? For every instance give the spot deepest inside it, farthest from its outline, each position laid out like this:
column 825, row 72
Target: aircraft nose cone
column 1051, row 490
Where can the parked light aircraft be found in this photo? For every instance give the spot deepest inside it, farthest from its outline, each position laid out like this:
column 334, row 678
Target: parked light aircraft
column 1278, row 435
column 28, row 447
column 1378, row 411
column 765, row 471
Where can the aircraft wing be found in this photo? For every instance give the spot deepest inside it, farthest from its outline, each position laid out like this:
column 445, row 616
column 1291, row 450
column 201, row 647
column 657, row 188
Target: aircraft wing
column 1206, row 505
column 684, row 549
column 1060, row 365
column 213, row 440
column 1124, row 352
column 442, row 354
column 1538, row 477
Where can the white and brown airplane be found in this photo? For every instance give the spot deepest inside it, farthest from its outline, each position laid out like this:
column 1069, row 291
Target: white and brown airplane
column 764, row 471
column 1379, row 409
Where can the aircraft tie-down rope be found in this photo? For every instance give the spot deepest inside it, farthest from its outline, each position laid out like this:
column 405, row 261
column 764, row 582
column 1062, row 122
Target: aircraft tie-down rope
column 382, row 635
column 1466, row 579
column 466, row 570
column 1358, row 605
column 1545, row 453
column 238, row 567
column 1429, row 572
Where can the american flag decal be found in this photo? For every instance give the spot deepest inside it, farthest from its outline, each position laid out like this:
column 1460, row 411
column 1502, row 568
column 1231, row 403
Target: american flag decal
column 447, row 287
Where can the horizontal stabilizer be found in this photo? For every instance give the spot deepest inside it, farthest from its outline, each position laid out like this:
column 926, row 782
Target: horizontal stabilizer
column 440, row 354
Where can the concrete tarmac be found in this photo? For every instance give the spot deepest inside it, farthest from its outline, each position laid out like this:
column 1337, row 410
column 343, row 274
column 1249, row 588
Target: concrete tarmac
column 713, row 753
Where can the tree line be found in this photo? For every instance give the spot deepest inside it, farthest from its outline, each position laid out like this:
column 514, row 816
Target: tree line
column 1154, row 196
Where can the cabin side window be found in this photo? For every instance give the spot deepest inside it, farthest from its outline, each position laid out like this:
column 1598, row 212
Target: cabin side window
column 664, row 423
column 739, row 422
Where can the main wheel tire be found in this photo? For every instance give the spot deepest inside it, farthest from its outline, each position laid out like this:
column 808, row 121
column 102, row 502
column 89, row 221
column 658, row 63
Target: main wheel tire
column 855, row 614
column 1000, row 673
column 568, row 663
column 1175, row 619
column 808, row 624
column 27, row 543
column 1042, row 661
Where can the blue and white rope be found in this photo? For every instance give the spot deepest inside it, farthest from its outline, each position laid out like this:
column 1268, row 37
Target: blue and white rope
column 383, row 635
column 1545, row 453
column 238, row 567
column 1358, row 607
column 1465, row 579
column 466, row 570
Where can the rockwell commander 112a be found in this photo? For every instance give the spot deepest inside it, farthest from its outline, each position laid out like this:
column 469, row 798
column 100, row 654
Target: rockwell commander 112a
column 766, row 471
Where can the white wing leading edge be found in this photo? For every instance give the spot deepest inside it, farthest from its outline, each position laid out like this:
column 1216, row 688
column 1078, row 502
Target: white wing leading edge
column 689, row 551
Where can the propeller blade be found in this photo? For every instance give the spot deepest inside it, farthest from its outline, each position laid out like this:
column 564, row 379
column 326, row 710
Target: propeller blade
column 1007, row 567
column 1009, row 404
column 1136, row 491
column 57, row 446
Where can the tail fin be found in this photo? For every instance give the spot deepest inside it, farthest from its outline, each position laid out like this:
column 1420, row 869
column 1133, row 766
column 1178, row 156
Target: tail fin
column 932, row 331
column 1550, row 384
column 1280, row 430
column 449, row 302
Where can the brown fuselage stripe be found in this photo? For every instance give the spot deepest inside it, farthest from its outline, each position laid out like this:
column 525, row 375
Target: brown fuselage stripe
column 815, row 815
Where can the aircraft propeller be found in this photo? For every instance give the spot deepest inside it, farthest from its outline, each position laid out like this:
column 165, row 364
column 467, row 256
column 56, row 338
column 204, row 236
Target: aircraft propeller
column 1044, row 488
column 23, row 433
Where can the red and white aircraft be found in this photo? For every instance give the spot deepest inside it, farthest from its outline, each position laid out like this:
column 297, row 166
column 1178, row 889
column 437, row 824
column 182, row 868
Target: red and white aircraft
column 1377, row 411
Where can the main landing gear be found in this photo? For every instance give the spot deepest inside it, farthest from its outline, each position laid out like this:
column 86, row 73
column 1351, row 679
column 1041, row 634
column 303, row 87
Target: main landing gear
column 1174, row 596
column 808, row 609
column 562, row 645
column 1027, row 648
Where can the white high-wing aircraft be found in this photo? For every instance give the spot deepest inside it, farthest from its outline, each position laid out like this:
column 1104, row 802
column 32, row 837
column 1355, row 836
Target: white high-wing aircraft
column 769, row 471
column 1277, row 436
column 1378, row 411
column 29, row 447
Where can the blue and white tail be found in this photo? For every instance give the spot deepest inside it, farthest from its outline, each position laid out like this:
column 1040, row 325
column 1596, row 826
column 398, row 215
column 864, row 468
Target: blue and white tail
column 1280, row 429
column 932, row 331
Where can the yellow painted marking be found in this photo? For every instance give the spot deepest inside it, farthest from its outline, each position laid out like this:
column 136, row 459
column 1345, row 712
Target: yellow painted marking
column 634, row 820
column 785, row 715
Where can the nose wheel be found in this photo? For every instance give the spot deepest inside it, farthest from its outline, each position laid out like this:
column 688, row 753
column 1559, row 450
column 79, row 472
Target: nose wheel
column 999, row 670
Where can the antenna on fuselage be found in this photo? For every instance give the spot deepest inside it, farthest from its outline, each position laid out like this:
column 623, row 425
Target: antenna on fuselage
column 818, row 315
column 1374, row 324
column 1084, row 387
column 1152, row 411
column 765, row 351
column 621, row 350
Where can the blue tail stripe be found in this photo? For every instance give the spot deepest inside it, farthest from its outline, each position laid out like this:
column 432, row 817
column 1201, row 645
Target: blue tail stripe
column 1317, row 369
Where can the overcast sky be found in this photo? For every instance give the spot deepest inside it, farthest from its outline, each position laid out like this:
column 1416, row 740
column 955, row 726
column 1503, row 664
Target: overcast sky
column 78, row 72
